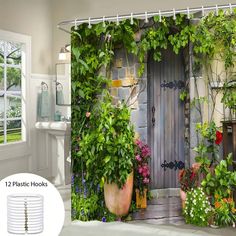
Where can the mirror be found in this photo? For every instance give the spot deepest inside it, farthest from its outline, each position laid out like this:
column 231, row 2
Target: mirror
column 63, row 84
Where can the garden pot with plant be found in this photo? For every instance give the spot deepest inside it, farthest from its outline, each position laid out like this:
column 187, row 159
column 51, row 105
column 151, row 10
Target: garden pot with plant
column 188, row 179
column 141, row 173
column 117, row 155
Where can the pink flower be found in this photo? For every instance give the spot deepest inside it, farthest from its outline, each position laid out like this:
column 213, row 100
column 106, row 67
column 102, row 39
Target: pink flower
column 145, row 170
column 146, row 152
column 139, row 143
column 88, row 114
column 145, row 180
column 140, row 169
column 138, row 158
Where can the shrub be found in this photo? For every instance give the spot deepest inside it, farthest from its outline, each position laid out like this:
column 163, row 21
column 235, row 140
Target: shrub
column 197, row 208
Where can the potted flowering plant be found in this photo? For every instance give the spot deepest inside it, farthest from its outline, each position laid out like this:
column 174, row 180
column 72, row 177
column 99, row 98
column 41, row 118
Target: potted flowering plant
column 141, row 173
column 188, row 179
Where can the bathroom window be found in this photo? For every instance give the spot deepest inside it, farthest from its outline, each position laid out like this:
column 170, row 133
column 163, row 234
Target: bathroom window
column 10, row 91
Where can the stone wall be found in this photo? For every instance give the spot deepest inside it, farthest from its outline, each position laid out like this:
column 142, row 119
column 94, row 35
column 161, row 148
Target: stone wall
column 127, row 86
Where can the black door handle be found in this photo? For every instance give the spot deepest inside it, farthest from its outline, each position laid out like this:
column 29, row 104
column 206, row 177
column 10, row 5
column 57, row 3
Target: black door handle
column 153, row 116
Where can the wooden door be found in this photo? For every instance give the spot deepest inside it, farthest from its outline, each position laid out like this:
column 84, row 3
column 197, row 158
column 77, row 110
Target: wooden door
column 166, row 119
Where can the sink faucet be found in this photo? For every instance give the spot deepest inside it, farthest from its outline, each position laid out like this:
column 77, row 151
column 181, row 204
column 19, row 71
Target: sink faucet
column 65, row 119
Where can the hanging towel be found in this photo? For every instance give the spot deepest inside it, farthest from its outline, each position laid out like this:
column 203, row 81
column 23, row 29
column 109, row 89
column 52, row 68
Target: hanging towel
column 43, row 105
column 60, row 97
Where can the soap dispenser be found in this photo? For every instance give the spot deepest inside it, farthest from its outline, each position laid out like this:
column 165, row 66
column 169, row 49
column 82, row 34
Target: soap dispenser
column 57, row 116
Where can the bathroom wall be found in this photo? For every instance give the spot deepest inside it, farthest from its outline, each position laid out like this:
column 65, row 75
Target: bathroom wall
column 32, row 18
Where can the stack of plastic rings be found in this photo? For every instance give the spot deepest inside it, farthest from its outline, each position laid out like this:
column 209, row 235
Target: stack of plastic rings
column 25, row 214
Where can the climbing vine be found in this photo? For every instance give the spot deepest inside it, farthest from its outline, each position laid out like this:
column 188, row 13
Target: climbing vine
column 93, row 50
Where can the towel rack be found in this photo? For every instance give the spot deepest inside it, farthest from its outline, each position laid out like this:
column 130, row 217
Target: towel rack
column 44, row 86
column 59, row 86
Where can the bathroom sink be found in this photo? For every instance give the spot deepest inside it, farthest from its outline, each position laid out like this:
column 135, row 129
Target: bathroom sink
column 53, row 125
column 59, row 135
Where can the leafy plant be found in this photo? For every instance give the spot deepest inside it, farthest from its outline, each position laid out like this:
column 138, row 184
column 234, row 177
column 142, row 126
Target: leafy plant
column 208, row 148
column 224, row 211
column 197, row 208
column 188, row 179
column 88, row 204
column 222, row 181
column 229, row 95
column 110, row 145
column 183, row 95
column 141, row 168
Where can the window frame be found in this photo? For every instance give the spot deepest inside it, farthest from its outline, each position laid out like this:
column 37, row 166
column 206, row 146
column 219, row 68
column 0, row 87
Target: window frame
column 20, row 148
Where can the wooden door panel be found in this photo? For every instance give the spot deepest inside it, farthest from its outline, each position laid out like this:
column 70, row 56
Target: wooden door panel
column 166, row 137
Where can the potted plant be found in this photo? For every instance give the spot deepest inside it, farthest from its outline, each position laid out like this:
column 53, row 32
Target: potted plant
column 116, row 140
column 188, row 180
column 141, row 173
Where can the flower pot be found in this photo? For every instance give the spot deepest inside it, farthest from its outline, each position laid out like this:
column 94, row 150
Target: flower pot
column 196, row 166
column 118, row 200
column 183, row 196
column 141, row 199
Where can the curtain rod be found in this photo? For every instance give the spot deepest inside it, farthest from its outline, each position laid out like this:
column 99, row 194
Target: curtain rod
column 144, row 15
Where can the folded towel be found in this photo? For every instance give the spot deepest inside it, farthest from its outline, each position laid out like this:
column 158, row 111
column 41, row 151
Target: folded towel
column 43, row 104
column 60, row 97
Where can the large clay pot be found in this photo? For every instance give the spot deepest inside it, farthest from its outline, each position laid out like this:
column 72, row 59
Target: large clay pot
column 118, row 200
column 183, row 197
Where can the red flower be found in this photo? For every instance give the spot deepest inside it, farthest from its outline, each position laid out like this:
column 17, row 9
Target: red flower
column 219, row 137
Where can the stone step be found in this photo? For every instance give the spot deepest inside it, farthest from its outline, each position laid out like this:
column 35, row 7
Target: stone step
column 165, row 209
column 165, row 201
column 168, row 192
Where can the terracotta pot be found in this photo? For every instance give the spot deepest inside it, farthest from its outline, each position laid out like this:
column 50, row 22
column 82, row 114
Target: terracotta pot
column 196, row 166
column 118, row 200
column 183, row 197
column 141, row 199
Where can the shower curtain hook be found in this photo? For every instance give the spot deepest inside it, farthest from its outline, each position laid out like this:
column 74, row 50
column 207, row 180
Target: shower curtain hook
column 159, row 15
column 131, row 19
column 188, row 13
column 146, row 17
column 217, row 10
column 117, row 20
column 76, row 26
column 203, row 11
column 174, row 15
column 230, row 8
column 103, row 22
column 89, row 23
